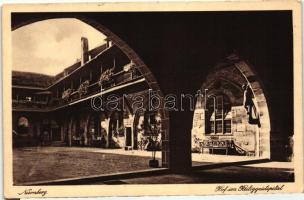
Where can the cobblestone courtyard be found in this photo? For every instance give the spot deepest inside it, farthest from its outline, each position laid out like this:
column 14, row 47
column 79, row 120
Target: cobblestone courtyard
column 53, row 163
column 48, row 163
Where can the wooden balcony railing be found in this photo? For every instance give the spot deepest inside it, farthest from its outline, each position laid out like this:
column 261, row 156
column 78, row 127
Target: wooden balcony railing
column 119, row 78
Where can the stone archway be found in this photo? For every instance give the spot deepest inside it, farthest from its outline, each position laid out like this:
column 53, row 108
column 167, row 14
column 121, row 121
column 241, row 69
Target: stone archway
column 228, row 78
column 23, row 125
column 116, row 131
column 96, row 133
column 55, row 132
column 76, row 132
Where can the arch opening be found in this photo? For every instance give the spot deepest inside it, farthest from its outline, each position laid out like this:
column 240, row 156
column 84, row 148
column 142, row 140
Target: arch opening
column 72, row 120
column 231, row 120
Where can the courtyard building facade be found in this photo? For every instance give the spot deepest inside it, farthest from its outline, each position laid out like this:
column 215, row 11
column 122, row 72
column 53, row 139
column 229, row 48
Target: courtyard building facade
column 68, row 109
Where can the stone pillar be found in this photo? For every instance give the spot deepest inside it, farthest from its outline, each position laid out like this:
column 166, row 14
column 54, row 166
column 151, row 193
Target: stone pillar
column 70, row 132
column 106, row 125
column 38, row 129
column 62, row 131
column 180, row 160
column 85, row 130
column 134, row 141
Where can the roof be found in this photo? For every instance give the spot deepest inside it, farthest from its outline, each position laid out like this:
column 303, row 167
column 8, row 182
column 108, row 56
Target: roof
column 38, row 80
column 31, row 79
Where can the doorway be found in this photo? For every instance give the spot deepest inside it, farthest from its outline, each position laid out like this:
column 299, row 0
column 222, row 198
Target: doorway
column 128, row 137
column 56, row 135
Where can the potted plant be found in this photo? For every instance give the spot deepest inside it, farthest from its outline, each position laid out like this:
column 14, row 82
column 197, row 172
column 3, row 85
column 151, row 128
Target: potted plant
column 66, row 94
column 106, row 76
column 83, row 88
column 153, row 143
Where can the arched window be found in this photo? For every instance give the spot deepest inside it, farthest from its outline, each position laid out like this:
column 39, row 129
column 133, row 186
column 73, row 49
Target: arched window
column 218, row 115
column 23, row 121
column 23, row 125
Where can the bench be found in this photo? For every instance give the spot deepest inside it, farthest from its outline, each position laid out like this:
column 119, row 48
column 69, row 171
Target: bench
column 216, row 144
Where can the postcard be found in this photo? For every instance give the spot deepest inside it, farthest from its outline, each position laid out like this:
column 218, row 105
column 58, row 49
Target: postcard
column 133, row 99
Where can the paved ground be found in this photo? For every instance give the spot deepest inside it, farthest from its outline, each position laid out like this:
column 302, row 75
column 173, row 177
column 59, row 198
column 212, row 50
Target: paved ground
column 233, row 174
column 197, row 158
column 51, row 163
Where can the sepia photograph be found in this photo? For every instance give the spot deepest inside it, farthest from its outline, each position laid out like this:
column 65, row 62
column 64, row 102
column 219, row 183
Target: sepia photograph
column 152, row 98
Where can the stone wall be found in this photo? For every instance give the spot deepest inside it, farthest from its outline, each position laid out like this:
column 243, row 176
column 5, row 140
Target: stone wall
column 243, row 133
column 227, row 78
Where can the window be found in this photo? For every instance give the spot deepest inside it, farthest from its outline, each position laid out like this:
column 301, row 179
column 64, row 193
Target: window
column 227, row 125
column 29, row 99
column 23, row 121
column 23, row 125
column 218, row 115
